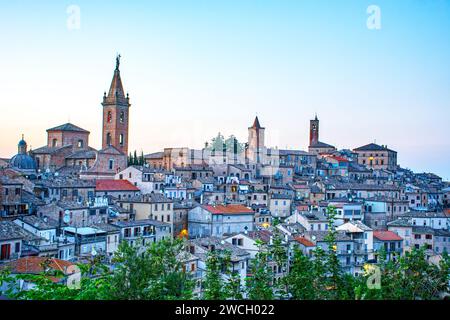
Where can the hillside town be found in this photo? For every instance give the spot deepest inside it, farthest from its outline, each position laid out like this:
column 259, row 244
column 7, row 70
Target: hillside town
column 67, row 201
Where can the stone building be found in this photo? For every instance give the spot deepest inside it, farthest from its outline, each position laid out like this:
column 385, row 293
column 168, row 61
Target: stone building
column 68, row 144
column 374, row 156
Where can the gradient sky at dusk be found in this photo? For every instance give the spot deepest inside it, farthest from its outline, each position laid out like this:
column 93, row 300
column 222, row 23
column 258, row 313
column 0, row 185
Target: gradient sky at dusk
column 194, row 68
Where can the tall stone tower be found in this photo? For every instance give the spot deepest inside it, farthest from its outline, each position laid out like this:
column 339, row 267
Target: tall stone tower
column 313, row 131
column 116, row 114
column 256, row 142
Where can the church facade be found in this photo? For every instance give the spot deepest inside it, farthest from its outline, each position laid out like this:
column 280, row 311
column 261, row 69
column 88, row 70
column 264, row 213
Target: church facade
column 68, row 145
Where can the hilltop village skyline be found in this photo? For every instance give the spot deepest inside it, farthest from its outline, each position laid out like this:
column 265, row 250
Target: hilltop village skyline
column 66, row 203
column 238, row 150
column 119, row 135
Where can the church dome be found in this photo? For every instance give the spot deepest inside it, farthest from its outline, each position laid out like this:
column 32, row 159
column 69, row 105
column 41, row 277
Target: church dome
column 23, row 162
column 22, row 143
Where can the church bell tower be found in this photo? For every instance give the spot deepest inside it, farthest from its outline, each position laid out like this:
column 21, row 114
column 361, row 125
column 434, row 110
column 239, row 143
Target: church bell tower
column 116, row 114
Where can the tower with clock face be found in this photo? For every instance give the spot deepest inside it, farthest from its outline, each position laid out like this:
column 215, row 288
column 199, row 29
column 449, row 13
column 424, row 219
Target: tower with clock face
column 115, row 114
column 314, row 131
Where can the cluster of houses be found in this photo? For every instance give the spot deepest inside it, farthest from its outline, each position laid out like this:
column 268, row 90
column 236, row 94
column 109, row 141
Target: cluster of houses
column 226, row 205
column 69, row 202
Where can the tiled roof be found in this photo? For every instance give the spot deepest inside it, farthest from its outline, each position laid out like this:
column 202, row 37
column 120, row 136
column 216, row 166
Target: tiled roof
column 320, row 144
column 115, row 185
column 149, row 198
column 304, row 241
column 372, row 147
column 40, row 223
column 35, row 265
column 237, row 253
column 68, row 127
column 228, row 209
column 10, row 230
column 155, row 155
column 386, row 236
column 84, row 154
column 263, row 235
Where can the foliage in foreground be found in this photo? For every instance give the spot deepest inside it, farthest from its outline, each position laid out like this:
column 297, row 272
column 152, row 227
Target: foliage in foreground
column 155, row 272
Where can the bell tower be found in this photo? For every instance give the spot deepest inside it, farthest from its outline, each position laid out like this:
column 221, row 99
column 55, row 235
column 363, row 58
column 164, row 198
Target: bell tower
column 116, row 114
column 314, row 131
column 256, row 142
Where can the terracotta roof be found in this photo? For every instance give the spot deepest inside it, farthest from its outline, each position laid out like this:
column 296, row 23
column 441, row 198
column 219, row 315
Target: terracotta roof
column 228, row 209
column 34, row 265
column 338, row 158
column 386, row 236
column 115, row 185
column 304, row 241
column 68, row 127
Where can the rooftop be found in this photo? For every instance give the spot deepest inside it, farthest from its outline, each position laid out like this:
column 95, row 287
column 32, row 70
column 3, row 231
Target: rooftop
column 372, row 147
column 115, row 185
column 228, row 209
column 386, row 236
column 68, row 127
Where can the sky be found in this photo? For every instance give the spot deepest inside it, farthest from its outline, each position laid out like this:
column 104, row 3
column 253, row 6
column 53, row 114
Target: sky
column 194, row 68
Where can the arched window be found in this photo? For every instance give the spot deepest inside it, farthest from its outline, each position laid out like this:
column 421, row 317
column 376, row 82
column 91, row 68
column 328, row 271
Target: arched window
column 80, row 143
column 55, row 143
column 121, row 139
column 109, row 117
column 122, row 117
column 108, row 139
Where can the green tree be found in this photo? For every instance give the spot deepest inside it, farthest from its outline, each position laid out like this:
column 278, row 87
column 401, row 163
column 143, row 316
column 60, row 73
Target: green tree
column 150, row 272
column 300, row 279
column 212, row 285
column 141, row 159
column 259, row 282
column 279, row 254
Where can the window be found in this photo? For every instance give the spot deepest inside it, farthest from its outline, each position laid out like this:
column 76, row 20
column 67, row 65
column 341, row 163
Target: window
column 428, row 236
column 121, row 140
column 111, row 164
column 122, row 117
column 80, row 143
column 17, row 191
column 54, row 143
column 109, row 117
column 17, row 247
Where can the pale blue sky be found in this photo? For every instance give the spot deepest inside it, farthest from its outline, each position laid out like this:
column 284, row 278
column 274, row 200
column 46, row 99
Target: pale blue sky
column 194, row 68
